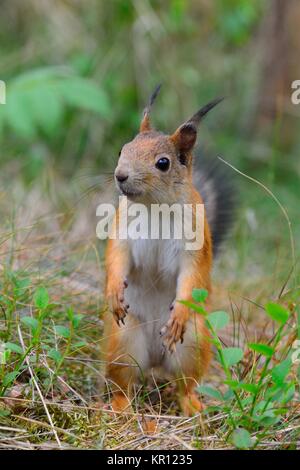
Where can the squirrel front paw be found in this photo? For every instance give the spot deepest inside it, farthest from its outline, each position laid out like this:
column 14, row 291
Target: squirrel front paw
column 174, row 330
column 115, row 298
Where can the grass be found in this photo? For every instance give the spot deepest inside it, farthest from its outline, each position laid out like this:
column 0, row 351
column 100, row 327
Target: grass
column 53, row 391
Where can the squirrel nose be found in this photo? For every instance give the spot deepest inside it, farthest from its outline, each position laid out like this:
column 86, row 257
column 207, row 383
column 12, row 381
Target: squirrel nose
column 121, row 177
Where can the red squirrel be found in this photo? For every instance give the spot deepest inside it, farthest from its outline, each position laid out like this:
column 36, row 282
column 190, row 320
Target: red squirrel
column 146, row 326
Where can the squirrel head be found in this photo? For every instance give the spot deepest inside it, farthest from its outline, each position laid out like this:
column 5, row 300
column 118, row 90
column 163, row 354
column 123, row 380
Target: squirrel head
column 155, row 167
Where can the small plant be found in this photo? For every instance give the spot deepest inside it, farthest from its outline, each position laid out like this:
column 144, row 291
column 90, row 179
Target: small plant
column 259, row 381
column 57, row 89
column 50, row 332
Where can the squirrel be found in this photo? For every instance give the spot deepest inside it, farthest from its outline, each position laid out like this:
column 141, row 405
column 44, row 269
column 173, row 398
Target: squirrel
column 146, row 279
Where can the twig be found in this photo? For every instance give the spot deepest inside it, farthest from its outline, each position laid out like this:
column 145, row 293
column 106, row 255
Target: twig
column 181, row 441
column 65, row 383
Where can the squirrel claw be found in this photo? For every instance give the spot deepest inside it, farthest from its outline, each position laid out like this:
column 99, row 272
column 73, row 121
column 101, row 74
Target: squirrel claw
column 169, row 342
column 119, row 315
column 119, row 319
column 173, row 332
column 116, row 303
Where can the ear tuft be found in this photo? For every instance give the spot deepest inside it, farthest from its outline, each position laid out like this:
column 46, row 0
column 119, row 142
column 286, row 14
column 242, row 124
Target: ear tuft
column 145, row 123
column 204, row 110
column 185, row 136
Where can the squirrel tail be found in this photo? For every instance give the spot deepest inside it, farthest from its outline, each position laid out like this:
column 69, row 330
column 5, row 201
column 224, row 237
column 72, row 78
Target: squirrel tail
column 212, row 180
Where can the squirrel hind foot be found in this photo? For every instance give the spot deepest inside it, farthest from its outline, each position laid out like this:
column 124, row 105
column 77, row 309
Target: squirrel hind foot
column 120, row 402
column 191, row 405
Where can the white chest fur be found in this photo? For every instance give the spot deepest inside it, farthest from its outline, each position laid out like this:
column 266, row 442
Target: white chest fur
column 152, row 283
column 156, row 257
column 152, row 279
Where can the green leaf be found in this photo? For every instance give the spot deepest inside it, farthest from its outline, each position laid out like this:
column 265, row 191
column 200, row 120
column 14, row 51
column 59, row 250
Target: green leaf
column 77, row 319
column 10, row 378
column 280, row 371
column 234, row 384
column 70, row 313
column 289, row 393
column 55, row 355
column 14, row 348
column 46, row 108
column 267, row 418
column 277, row 312
column 41, row 298
column 232, row 355
column 218, row 320
column 31, row 79
column 21, row 286
column 17, row 115
column 31, row 322
column 262, row 349
column 251, row 388
column 274, row 392
column 241, row 438
column 199, row 295
column 79, row 344
column 39, row 98
column 228, row 395
column 84, row 94
column 62, row 331
column 210, row 391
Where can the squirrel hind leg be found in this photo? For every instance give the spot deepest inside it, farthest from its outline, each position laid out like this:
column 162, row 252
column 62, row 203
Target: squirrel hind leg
column 121, row 379
column 194, row 356
column 125, row 355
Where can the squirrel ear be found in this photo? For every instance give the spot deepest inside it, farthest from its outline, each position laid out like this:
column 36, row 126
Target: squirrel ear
column 185, row 136
column 145, row 123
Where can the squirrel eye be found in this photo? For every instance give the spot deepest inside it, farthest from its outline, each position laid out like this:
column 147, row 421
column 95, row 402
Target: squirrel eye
column 163, row 164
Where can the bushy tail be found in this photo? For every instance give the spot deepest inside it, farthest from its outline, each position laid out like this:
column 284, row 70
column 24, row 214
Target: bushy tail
column 212, row 180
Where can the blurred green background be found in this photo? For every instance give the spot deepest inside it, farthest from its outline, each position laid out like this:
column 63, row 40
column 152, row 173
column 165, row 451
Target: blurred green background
column 79, row 73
